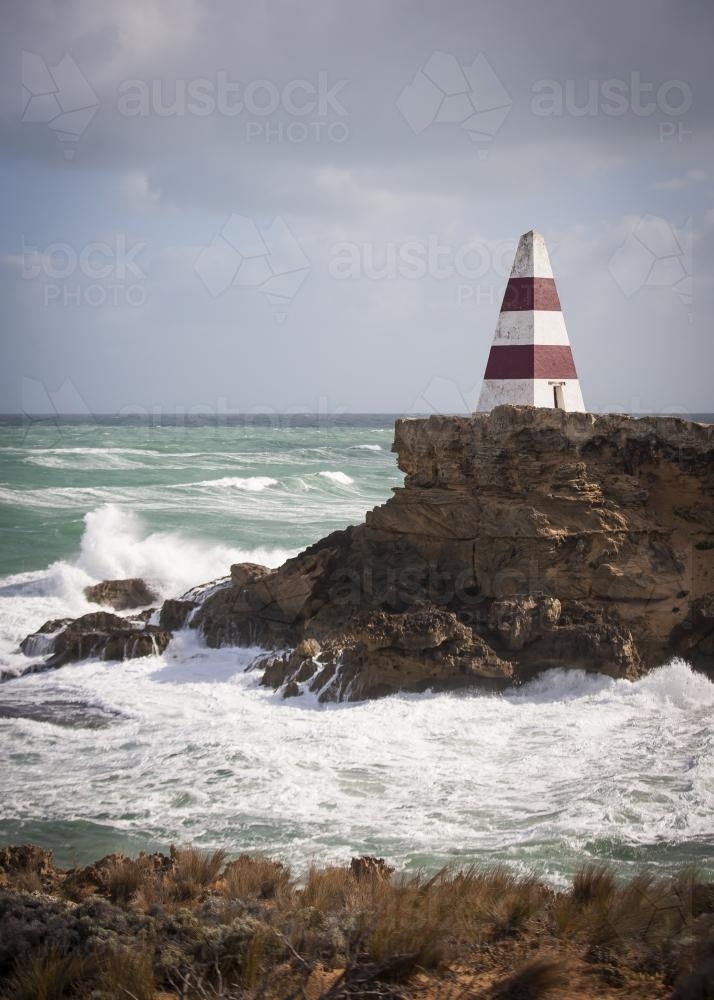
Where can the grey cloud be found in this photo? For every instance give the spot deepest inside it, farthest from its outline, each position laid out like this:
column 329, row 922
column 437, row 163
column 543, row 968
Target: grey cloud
column 173, row 181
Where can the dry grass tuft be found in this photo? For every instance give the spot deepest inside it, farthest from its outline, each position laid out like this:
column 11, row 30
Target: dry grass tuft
column 327, row 889
column 128, row 974
column 46, row 975
column 593, row 884
column 643, row 911
column 193, row 871
column 425, row 922
column 139, row 881
column 255, row 878
column 196, row 865
column 125, row 877
column 504, row 900
column 407, row 926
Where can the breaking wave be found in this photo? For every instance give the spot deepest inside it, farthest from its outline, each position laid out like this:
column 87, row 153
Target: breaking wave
column 253, row 484
column 341, row 478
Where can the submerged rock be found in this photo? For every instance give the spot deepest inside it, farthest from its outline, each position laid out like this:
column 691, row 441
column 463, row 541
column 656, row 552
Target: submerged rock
column 122, row 595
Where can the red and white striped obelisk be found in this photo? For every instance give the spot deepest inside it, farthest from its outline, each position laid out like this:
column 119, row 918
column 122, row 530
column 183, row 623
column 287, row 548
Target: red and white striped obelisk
column 530, row 361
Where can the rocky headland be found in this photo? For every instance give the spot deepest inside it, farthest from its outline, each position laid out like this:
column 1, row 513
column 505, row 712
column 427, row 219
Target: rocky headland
column 522, row 539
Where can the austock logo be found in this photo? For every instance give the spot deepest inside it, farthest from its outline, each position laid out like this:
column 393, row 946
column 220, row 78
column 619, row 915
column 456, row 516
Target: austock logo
column 97, row 274
column 444, row 93
column 43, row 408
column 268, row 258
column 58, row 96
column 655, row 254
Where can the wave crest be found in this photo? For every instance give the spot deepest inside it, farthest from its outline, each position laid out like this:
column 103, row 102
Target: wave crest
column 340, row 478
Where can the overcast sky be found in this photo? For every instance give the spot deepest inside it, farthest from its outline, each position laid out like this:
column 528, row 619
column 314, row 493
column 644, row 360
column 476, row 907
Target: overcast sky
column 370, row 167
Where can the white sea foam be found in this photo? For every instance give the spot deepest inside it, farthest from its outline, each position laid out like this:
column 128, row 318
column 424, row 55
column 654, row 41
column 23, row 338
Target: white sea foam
column 341, row 478
column 252, row 484
column 368, row 447
column 93, row 459
column 96, row 450
column 116, row 544
column 568, row 767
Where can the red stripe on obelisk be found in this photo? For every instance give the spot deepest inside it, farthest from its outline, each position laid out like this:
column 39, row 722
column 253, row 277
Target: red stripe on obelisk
column 531, row 361
column 530, row 293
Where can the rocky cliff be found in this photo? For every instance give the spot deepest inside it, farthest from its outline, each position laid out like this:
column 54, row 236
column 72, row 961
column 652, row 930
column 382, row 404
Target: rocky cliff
column 522, row 539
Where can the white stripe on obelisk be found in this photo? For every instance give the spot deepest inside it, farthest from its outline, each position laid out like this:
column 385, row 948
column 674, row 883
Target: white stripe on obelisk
column 530, row 392
column 531, row 326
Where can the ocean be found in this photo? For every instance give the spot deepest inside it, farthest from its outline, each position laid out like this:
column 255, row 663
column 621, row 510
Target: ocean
column 188, row 748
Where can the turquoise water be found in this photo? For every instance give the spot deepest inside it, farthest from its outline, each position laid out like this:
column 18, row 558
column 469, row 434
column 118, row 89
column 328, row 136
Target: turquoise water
column 187, row 747
column 246, row 486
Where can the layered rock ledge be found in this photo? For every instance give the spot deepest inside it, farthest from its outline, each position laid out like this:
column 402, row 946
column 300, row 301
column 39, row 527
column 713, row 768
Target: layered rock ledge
column 522, row 539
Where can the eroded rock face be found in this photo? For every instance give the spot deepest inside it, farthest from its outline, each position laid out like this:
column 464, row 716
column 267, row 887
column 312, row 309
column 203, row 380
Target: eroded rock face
column 521, row 620
column 378, row 653
column 533, row 538
column 20, row 858
column 122, row 595
column 175, row 613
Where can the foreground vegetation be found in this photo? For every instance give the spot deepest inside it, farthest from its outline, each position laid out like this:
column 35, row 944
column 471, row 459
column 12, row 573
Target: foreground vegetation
column 197, row 926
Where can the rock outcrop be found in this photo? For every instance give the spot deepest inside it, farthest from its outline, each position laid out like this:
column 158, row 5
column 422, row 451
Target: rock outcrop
column 99, row 635
column 522, row 539
column 122, row 595
column 378, row 653
column 174, row 614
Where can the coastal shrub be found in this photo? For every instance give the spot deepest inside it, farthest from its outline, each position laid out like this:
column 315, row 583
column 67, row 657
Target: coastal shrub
column 35, row 927
column 261, row 946
column 235, row 954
